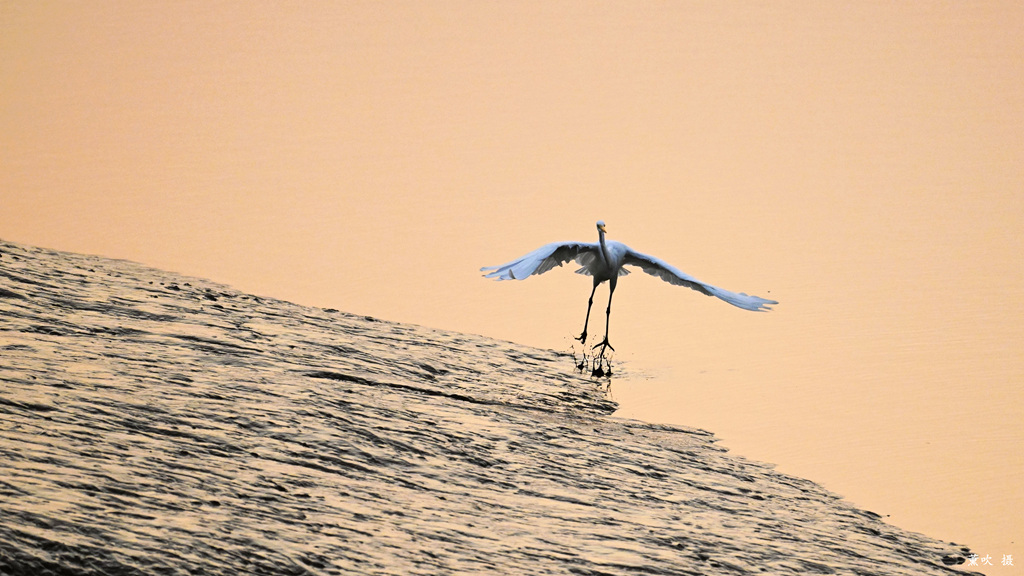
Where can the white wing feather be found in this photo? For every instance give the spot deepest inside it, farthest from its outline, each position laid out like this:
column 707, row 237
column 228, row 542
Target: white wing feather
column 672, row 275
column 540, row 260
column 586, row 254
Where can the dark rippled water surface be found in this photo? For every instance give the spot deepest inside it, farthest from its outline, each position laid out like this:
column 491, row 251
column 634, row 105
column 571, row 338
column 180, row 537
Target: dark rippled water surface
column 157, row 424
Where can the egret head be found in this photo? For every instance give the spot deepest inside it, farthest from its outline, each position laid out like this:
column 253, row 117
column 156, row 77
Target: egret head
column 600, row 226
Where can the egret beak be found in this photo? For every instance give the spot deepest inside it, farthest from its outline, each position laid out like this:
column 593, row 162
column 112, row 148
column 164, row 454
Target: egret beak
column 601, row 228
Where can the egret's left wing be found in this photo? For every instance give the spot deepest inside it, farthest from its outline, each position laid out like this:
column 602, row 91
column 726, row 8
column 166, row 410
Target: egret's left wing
column 672, row 275
column 539, row 261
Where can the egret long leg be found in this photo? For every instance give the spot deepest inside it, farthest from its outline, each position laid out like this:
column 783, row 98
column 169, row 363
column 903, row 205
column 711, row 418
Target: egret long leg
column 590, row 303
column 608, row 317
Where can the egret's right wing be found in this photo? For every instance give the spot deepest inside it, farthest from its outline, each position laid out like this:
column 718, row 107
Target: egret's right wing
column 540, row 260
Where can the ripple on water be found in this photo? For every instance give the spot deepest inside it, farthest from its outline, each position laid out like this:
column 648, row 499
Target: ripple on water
column 153, row 423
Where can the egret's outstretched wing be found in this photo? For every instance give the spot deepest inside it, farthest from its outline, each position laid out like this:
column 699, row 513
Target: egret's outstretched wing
column 672, row 275
column 539, row 261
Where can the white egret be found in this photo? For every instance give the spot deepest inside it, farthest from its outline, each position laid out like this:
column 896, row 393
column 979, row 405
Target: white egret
column 605, row 260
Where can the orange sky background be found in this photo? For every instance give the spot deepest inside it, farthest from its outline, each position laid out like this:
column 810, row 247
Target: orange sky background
column 860, row 162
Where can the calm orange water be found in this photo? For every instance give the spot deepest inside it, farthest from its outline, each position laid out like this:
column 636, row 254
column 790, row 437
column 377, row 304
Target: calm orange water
column 859, row 163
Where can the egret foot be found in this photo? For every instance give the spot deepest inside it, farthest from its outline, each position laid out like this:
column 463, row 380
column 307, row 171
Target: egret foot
column 582, row 337
column 603, row 344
